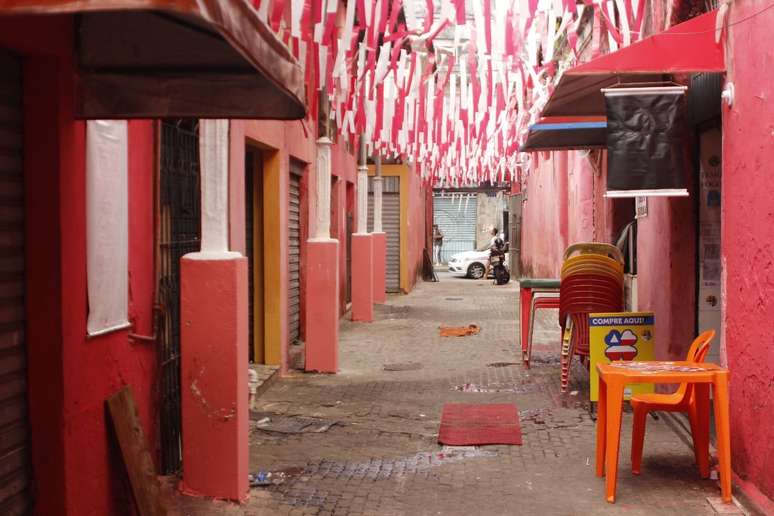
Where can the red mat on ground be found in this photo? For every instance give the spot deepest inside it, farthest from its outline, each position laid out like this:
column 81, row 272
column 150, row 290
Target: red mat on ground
column 465, row 425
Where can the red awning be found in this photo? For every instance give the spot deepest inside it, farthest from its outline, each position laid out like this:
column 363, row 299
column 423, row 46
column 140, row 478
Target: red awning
column 688, row 47
column 176, row 58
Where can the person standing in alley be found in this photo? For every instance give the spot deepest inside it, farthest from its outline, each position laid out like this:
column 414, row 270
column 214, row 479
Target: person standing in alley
column 437, row 243
column 495, row 244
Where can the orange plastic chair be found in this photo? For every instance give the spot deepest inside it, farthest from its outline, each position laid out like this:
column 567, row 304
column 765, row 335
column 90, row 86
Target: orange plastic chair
column 683, row 400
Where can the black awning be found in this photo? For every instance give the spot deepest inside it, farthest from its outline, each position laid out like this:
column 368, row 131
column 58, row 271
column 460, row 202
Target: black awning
column 566, row 133
column 176, row 58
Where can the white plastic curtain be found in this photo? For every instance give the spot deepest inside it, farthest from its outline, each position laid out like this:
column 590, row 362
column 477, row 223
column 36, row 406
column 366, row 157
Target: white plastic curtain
column 107, row 225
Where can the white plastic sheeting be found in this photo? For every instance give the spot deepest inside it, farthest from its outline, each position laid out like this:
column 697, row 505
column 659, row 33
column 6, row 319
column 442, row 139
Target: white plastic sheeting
column 107, row 225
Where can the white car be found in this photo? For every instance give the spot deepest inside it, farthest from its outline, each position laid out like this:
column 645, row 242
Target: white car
column 471, row 263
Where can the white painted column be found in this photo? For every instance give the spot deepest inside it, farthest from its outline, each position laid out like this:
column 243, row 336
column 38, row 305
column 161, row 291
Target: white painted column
column 378, row 195
column 362, row 191
column 322, row 229
column 213, row 156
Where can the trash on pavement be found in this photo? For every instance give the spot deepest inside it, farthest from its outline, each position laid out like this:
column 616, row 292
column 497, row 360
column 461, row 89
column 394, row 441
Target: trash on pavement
column 459, row 331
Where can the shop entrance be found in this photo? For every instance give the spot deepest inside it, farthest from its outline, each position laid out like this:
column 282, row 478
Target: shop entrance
column 255, row 257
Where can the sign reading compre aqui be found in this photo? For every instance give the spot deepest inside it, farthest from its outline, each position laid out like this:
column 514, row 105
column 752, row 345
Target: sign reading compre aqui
column 620, row 336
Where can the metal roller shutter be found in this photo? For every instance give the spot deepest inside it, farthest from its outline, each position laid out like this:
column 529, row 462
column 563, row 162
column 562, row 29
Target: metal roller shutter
column 15, row 471
column 456, row 218
column 294, row 253
column 390, row 225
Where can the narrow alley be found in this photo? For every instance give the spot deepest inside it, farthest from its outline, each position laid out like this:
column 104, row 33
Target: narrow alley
column 364, row 441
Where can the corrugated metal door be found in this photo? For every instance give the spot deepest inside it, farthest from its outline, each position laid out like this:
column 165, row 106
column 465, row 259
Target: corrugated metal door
column 456, row 218
column 15, row 496
column 294, row 252
column 390, row 225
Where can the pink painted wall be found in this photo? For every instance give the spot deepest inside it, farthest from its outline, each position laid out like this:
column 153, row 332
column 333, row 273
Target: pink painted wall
column 417, row 227
column 666, row 276
column 76, row 466
column 580, row 198
column 666, row 243
column 288, row 138
column 542, row 242
column 747, row 243
column 293, row 141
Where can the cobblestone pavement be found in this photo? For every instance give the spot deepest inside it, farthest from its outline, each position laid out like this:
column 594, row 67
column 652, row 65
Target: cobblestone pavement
column 363, row 442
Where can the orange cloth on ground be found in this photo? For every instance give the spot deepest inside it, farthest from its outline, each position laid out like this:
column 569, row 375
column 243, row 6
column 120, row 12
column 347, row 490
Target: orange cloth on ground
column 459, row 331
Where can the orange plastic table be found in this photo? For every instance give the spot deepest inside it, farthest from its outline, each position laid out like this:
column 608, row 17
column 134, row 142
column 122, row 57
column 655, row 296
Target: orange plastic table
column 615, row 376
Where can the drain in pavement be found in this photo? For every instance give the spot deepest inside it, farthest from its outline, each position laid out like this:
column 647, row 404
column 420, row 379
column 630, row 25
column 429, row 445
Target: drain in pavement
column 292, row 424
column 453, row 298
column 403, row 366
column 495, row 387
column 502, row 364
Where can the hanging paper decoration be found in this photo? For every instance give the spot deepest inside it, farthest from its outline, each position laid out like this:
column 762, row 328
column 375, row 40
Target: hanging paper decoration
column 451, row 85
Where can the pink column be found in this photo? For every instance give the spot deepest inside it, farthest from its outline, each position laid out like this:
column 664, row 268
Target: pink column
column 213, row 376
column 362, row 277
column 380, row 267
column 322, row 311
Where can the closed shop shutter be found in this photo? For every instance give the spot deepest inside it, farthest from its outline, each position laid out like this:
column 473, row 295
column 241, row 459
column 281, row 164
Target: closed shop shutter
column 390, row 226
column 15, row 497
column 294, row 253
column 456, row 218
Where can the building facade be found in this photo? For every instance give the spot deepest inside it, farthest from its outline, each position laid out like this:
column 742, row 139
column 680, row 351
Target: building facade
column 702, row 261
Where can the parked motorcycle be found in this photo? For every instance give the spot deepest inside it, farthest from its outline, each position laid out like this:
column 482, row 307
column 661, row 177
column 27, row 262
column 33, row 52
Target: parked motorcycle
column 497, row 264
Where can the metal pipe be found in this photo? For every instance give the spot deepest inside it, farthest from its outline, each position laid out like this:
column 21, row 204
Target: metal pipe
column 362, row 190
column 378, row 188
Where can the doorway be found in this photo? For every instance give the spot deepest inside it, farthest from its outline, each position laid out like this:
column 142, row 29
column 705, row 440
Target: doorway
column 708, row 267
column 255, row 254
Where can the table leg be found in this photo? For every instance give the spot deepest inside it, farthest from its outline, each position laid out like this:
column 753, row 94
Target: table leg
column 613, row 436
column 525, row 302
column 700, row 432
column 723, row 433
column 601, row 427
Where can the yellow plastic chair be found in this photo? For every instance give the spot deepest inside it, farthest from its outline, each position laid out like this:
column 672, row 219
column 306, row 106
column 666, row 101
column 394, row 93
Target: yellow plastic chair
column 598, row 248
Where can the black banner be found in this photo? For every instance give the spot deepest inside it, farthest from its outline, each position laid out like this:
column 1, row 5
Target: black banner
column 646, row 141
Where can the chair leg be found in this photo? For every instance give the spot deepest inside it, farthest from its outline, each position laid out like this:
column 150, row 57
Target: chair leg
column 567, row 353
column 530, row 332
column 525, row 302
column 638, row 436
column 699, row 414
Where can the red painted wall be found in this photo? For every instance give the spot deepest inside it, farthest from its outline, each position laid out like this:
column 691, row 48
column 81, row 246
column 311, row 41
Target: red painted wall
column 76, row 466
column 747, row 243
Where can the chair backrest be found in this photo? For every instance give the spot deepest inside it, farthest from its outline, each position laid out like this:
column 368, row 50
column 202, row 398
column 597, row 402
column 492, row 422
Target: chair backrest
column 700, row 346
column 595, row 248
column 696, row 353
